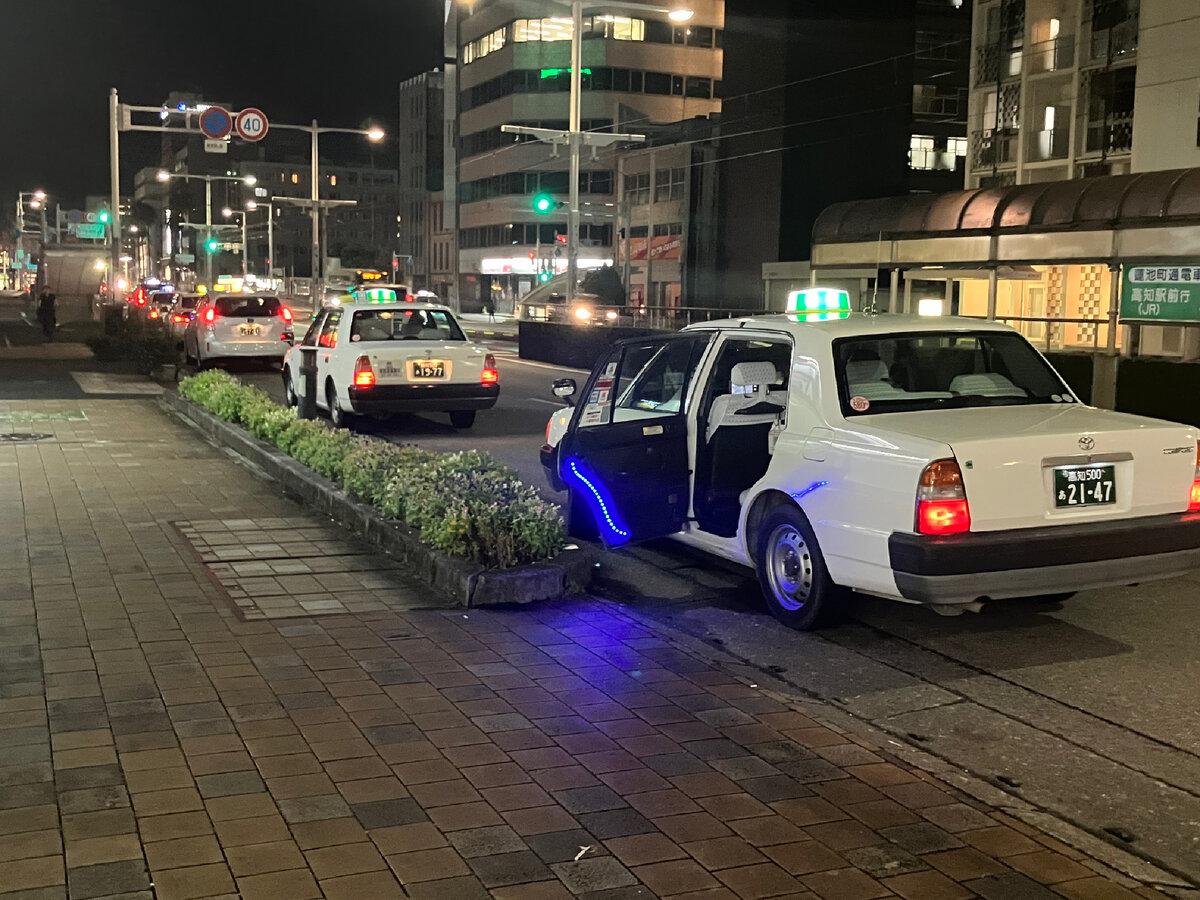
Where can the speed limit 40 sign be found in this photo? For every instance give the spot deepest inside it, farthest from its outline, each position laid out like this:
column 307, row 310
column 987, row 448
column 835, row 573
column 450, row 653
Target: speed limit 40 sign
column 251, row 124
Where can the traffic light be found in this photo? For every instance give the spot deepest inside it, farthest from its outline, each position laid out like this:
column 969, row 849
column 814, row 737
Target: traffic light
column 103, row 217
column 544, row 203
column 212, row 245
column 543, row 277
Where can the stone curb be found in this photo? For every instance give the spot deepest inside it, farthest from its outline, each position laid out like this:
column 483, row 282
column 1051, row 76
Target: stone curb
column 467, row 583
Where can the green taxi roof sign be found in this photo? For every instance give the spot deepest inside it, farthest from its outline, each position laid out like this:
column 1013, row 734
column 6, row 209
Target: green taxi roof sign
column 818, row 299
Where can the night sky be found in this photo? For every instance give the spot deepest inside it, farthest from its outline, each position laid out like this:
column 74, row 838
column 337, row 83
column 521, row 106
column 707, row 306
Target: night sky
column 339, row 62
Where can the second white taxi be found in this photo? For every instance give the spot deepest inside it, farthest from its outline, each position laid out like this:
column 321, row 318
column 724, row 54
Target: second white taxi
column 379, row 354
column 939, row 461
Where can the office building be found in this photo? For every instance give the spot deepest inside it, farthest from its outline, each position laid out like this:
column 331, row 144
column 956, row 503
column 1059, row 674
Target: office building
column 510, row 67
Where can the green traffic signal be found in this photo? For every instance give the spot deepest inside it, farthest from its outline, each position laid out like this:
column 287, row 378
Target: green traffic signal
column 212, row 245
column 103, row 217
column 543, row 277
column 543, row 203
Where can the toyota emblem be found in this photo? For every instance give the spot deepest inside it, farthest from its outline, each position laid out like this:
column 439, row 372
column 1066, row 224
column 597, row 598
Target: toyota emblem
column 1087, row 442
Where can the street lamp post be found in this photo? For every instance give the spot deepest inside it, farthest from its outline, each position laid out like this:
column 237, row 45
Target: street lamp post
column 229, row 214
column 164, row 175
column 314, row 130
column 576, row 138
column 270, row 207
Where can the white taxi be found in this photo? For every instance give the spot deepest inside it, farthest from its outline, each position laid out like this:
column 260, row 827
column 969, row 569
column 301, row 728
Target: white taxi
column 940, row 461
column 237, row 326
column 379, row 354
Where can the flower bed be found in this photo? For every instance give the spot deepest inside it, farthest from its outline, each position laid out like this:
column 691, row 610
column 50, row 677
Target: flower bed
column 464, row 504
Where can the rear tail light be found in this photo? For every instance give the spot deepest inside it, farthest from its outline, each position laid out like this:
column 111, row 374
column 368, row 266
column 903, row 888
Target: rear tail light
column 154, row 313
column 179, row 320
column 364, row 375
column 141, row 301
column 490, row 374
column 409, row 298
column 942, row 500
column 285, row 313
column 210, row 315
column 1194, row 500
column 549, row 422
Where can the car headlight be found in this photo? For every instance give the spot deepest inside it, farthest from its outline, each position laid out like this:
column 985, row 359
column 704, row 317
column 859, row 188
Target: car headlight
column 583, row 313
column 611, row 315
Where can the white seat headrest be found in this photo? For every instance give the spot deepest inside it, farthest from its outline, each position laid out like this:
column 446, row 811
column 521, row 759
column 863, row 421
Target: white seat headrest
column 748, row 374
column 866, row 370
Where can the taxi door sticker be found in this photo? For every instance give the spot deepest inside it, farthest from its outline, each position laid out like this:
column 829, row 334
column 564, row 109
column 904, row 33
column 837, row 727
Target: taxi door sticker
column 599, row 405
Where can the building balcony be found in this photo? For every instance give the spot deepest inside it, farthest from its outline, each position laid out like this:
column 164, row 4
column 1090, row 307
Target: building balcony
column 1048, row 144
column 1053, row 55
column 1118, row 42
column 996, row 63
column 993, row 148
column 1111, row 135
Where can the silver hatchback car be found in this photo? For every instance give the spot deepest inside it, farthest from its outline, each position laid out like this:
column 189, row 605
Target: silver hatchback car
column 238, row 326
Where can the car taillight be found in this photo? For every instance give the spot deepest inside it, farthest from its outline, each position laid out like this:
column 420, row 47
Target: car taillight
column 141, row 301
column 178, row 319
column 210, row 315
column 285, row 313
column 409, row 298
column 1194, row 501
column 490, row 374
column 549, row 422
column 364, row 375
column 942, row 500
column 154, row 313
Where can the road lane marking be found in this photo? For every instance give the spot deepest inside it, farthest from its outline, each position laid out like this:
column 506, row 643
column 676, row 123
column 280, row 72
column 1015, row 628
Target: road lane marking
column 554, row 403
column 540, row 365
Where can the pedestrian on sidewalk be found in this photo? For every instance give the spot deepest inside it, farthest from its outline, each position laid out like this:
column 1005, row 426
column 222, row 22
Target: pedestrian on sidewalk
column 489, row 307
column 46, row 312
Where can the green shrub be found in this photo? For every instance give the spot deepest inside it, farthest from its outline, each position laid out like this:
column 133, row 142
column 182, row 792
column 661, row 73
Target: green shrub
column 371, row 467
column 146, row 345
column 466, row 504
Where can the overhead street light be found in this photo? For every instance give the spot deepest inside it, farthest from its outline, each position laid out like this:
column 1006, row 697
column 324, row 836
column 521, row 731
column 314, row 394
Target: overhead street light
column 373, row 134
column 164, row 176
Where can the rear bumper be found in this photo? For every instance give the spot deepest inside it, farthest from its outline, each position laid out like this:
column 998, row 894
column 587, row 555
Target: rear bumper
column 1030, row 561
column 255, row 349
column 391, row 398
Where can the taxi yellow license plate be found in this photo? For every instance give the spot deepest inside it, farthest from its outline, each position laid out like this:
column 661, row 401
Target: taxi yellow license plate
column 428, row 368
column 1084, row 486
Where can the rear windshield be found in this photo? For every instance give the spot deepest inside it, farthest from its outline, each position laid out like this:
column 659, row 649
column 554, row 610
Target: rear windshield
column 188, row 301
column 905, row 372
column 404, row 325
column 247, row 307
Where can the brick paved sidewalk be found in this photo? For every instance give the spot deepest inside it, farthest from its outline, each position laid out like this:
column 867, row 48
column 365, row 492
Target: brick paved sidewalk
column 156, row 743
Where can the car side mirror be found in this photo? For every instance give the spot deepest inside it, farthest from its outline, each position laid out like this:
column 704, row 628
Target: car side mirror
column 564, row 389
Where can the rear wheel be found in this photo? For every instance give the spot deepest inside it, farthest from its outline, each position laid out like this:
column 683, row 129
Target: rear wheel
column 462, row 418
column 792, row 573
column 337, row 414
column 289, row 391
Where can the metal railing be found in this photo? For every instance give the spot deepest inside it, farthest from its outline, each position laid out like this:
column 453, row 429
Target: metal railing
column 1052, row 55
column 1050, row 331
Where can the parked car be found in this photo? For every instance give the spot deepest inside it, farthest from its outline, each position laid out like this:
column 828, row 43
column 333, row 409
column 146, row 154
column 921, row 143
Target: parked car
column 378, row 355
column 181, row 313
column 928, row 460
column 227, row 326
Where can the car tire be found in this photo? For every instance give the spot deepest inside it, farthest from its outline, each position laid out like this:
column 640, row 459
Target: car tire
column 289, row 392
column 462, row 418
column 338, row 417
column 792, row 572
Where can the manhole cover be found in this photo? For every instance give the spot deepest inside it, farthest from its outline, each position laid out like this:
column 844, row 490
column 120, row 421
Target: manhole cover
column 19, row 437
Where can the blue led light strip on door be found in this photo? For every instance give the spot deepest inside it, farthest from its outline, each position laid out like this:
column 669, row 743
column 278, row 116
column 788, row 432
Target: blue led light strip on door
column 600, row 501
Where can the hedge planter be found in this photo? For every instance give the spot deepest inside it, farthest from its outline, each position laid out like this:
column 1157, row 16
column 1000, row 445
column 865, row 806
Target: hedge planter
column 468, row 583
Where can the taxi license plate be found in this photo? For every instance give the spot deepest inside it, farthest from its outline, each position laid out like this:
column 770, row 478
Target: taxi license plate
column 249, row 330
column 1084, row 486
column 428, row 368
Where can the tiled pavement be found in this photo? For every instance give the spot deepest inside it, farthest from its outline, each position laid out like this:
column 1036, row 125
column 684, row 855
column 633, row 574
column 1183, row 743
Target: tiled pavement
column 153, row 743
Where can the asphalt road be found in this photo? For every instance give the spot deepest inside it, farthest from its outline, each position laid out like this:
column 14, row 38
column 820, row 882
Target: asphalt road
column 512, row 430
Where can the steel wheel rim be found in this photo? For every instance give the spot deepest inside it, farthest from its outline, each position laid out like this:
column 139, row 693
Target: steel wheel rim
column 789, row 567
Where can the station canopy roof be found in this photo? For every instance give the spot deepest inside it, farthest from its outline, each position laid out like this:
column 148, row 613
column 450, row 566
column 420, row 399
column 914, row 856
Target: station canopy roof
column 1110, row 202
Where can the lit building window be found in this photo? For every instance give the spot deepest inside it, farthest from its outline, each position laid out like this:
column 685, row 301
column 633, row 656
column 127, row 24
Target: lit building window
column 921, row 154
column 333, row 180
column 554, row 28
column 295, row 178
column 957, row 146
column 480, row 48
